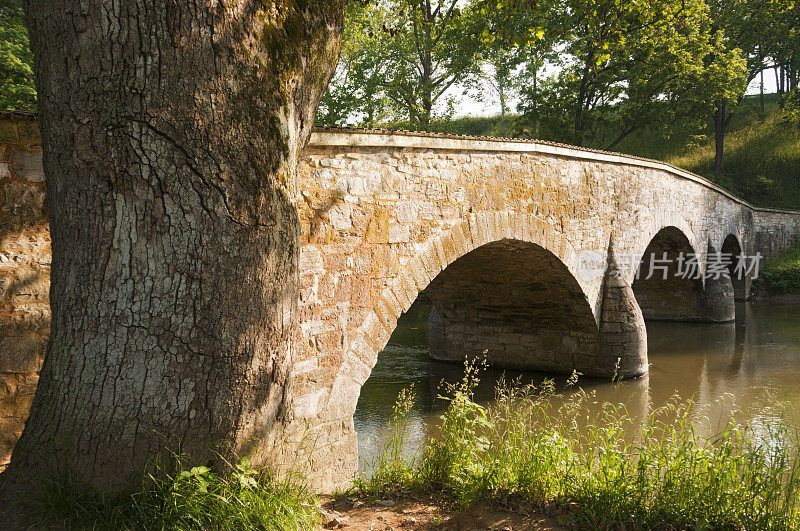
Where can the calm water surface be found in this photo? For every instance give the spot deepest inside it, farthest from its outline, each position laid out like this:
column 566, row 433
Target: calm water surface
column 756, row 360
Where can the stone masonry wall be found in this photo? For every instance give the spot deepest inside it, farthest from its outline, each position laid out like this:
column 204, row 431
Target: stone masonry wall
column 24, row 274
column 775, row 232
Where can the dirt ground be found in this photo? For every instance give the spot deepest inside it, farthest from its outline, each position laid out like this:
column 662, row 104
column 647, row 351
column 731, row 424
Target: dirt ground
column 425, row 512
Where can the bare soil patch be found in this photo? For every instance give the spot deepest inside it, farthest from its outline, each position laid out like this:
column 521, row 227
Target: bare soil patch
column 421, row 511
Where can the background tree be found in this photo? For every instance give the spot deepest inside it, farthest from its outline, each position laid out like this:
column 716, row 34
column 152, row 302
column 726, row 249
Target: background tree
column 17, row 86
column 741, row 27
column 622, row 66
column 172, row 134
column 355, row 95
column 513, row 34
column 433, row 48
column 781, row 40
column 500, row 63
column 403, row 56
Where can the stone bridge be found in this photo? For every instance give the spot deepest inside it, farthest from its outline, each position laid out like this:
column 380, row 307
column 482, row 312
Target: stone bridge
column 528, row 251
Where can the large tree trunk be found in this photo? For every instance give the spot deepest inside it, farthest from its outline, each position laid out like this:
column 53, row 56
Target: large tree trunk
column 171, row 132
column 502, row 93
column 719, row 137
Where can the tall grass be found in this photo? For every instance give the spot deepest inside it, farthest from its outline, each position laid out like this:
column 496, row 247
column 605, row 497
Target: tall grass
column 393, row 465
column 603, row 467
column 195, row 498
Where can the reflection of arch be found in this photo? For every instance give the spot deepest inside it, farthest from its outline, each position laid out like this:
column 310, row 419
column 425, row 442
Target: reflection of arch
column 465, row 236
column 731, row 248
column 517, row 302
column 668, row 286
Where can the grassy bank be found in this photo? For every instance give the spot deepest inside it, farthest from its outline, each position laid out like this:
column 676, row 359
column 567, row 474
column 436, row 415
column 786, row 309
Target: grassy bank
column 195, row 498
column 590, row 469
column 781, row 275
column 762, row 162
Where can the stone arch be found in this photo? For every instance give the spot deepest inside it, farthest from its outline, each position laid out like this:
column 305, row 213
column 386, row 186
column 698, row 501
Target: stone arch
column 668, row 286
column 663, row 220
column 731, row 247
column 439, row 252
column 519, row 304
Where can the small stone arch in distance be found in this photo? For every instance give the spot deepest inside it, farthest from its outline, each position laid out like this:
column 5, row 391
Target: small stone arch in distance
column 668, row 296
column 663, row 221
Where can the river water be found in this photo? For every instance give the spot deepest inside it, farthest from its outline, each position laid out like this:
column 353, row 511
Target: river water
column 751, row 366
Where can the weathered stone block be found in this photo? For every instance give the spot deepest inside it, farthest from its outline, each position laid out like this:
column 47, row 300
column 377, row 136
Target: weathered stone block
column 16, row 407
column 23, row 200
column 378, row 231
column 340, row 216
column 28, row 165
column 399, row 233
column 20, row 354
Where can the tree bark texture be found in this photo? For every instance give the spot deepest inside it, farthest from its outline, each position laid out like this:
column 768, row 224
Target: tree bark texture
column 719, row 137
column 171, row 131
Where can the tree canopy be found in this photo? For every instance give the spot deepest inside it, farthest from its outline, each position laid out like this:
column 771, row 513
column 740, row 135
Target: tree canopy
column 18, row 91
column 400, row 58
column 587, row 72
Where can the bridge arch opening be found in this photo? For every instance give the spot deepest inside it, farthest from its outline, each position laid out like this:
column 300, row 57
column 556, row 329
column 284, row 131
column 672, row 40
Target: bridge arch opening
column 518, row 264
column 514, row 299
column 518, row 302
column 668, row 285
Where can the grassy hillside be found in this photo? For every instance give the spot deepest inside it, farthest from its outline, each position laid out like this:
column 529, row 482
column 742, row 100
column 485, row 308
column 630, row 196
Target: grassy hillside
column 762, row 153
column 782, row 275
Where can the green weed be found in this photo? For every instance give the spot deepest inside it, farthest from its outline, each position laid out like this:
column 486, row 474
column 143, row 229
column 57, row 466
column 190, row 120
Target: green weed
column 781, row 275
column 602, row 467
column 194, row 498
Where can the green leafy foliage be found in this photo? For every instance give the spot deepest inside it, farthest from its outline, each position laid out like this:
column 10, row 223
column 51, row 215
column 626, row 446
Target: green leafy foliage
column 624, row 65
column 194, row 498
column 400, row 58
column 781, row 275
column 17, row 88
